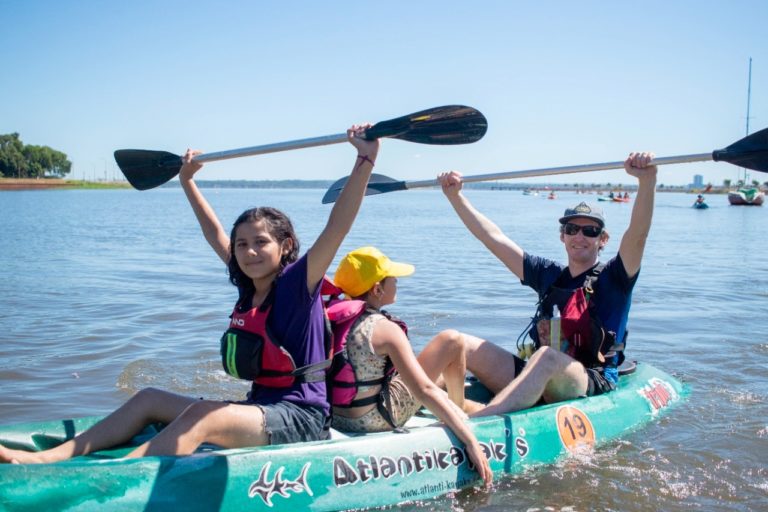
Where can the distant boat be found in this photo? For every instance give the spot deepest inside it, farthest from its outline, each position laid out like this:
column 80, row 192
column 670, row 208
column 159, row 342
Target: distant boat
column 746, row 197
column 618, row 198
column 552, row 196
column 528, row 192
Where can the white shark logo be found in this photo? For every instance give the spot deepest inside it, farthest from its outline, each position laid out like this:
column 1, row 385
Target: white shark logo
column 266, row 489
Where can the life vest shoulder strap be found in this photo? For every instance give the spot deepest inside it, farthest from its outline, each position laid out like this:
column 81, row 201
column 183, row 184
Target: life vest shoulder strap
column 343, row 310
column 590, row 278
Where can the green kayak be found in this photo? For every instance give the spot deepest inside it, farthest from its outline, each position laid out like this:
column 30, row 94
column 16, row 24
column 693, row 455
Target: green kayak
column 345, row 472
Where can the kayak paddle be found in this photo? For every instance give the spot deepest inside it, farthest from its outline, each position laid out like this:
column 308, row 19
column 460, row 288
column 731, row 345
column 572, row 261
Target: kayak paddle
column 750, row 152
column 447, row 125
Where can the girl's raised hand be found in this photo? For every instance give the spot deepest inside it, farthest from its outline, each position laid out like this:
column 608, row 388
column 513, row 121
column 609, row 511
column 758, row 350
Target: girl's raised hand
column 367, row 148
column 188, row 166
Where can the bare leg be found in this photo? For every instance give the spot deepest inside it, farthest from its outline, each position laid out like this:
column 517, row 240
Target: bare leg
column 147, row 406
column 549, row 373
column 493, row 365
column 219, row 423
column 445, row 355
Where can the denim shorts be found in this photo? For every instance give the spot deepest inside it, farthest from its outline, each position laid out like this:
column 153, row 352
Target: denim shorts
column 286, row 422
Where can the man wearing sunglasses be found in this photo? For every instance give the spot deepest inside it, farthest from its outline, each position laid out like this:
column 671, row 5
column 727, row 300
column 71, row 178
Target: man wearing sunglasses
column 550, row 374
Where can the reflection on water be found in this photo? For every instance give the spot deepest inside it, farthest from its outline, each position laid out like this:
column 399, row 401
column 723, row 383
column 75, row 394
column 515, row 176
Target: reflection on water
column 106, row 292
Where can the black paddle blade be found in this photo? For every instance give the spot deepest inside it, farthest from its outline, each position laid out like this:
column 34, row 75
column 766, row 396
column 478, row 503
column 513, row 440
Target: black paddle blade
column 377, row 184
column 751, row 152
column 451, row 124
column 145, row 169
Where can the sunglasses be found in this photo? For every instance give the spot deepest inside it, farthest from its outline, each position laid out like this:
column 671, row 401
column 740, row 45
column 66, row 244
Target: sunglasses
column 589, row 231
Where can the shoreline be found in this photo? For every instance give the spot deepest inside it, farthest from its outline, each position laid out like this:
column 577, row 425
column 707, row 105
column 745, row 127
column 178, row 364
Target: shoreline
column 56, row 183
column 65, row 184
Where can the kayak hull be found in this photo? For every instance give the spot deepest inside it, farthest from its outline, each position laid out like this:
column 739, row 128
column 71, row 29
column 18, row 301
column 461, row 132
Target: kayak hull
column 346, row 472
column 746, row 197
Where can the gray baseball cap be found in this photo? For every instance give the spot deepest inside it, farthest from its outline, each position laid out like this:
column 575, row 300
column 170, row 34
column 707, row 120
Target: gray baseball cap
column 584, row 211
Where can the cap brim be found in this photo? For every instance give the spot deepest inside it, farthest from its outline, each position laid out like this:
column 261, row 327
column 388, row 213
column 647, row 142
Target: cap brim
column 400, row 269
column 564, row 220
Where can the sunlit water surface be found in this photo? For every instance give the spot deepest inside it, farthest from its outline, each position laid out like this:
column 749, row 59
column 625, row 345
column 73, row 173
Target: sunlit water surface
column 106, row 292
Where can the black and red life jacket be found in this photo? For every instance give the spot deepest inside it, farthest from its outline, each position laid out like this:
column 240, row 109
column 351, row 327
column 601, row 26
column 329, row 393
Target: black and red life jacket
column 250, row 351
column 586, row 339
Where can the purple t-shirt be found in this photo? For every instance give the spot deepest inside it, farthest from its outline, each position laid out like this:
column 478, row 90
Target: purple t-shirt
column 297, row 320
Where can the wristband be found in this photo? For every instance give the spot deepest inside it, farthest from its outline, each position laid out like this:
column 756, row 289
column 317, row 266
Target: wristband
column 365, row 158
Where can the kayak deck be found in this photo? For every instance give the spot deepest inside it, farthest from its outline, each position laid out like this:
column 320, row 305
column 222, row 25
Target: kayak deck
column 348, row 471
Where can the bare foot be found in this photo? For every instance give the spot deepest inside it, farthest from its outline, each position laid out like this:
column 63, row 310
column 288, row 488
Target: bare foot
column 9, row 456
column 470, row 406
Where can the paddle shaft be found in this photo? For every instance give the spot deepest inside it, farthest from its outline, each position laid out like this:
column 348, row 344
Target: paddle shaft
column 272, row 148
column 700, row 157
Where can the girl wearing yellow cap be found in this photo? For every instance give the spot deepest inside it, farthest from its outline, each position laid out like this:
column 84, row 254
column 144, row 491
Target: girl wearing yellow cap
column 381, row 356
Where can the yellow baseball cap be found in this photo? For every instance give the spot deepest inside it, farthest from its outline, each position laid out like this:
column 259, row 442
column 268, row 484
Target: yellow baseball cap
column 362, row 268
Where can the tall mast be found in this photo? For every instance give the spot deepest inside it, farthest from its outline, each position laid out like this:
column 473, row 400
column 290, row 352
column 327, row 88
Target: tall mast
column 749, row 96
column 749, row 91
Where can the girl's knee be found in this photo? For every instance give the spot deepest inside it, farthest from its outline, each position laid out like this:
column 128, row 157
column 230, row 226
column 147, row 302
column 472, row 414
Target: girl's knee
column 147, row 395
column 447, row 342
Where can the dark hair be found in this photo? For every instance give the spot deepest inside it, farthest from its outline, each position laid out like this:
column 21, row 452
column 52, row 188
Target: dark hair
column 278, row 225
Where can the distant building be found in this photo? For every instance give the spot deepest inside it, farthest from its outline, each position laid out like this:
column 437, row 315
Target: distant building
column 698, row 181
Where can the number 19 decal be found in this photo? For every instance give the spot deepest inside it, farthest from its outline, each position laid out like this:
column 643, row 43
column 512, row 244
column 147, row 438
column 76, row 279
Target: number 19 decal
column 574, row 428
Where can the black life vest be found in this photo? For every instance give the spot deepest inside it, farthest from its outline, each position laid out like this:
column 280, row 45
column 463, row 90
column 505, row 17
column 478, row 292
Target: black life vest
column 586, row 339
column 250, row 351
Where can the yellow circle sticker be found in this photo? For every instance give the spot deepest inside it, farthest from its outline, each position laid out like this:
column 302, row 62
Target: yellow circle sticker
column 574, row 428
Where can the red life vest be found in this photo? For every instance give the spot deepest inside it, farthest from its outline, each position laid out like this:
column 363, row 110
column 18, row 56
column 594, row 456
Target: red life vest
column 249, row 350
column 584, row 337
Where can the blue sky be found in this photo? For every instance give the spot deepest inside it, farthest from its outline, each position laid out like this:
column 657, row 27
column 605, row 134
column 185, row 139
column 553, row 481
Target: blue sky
column 561, row 83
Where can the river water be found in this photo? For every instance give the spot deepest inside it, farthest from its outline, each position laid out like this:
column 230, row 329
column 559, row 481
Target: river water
column 104, row 292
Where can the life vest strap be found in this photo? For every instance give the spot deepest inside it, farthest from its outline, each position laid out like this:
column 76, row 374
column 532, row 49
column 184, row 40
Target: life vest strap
column 360, row 402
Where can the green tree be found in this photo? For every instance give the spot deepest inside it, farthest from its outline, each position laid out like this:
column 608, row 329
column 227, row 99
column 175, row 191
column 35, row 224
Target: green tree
column 20, row 161
column 12, row 161
column 43, row 161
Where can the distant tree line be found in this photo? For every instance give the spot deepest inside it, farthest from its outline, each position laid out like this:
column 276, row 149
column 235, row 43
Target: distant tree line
column 18, row 160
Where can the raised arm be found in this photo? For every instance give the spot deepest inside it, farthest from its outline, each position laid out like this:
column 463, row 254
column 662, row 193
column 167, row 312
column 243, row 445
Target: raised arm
column 344, row 211
column 388, row 339
column 212, row 229
column 507, row 251
column 633, row 241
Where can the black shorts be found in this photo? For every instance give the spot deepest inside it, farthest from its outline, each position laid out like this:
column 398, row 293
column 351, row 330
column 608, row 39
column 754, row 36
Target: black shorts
column 597, row 384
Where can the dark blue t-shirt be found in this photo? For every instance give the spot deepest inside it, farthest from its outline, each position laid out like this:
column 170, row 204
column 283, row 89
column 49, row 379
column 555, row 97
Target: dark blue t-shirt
column 297, row 320
column 612, row 290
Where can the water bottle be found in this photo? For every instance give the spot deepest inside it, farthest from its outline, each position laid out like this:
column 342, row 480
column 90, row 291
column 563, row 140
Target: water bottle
column 554, row 329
